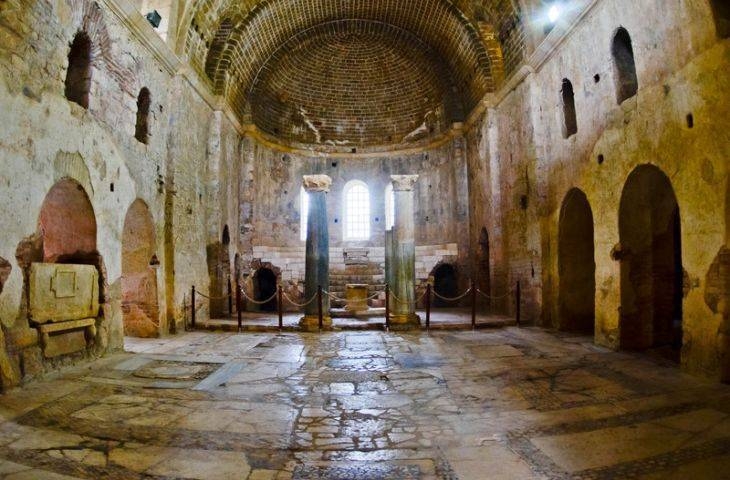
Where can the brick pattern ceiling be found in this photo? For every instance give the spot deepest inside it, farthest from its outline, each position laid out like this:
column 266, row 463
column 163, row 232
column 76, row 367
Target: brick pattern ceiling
column 352, row 72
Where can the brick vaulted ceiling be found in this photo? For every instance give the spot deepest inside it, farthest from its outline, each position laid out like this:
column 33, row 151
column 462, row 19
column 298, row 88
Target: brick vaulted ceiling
column 350, row 72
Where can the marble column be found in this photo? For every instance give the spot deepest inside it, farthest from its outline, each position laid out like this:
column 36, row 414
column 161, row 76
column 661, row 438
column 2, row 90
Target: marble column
column 404, row 255
column 318, row 253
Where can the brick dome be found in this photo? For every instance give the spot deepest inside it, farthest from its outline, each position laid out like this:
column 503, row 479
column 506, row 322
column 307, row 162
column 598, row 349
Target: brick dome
column 345, row 72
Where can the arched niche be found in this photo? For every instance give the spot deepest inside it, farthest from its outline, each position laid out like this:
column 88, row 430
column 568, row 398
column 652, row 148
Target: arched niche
column 576, row 264
column 67, row 225
column 651, row 263
column 140, row 306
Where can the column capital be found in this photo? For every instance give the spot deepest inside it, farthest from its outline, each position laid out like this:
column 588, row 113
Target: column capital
column 403, row 183
column 317, row 183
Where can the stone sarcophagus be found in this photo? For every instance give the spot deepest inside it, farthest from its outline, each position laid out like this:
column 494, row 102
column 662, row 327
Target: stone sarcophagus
column 64, row 304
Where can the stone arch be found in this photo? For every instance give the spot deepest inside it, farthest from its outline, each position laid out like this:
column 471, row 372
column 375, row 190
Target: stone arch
column 78, row 75
column 576, row 264
column 651, row 263
column 484, row 280
column 445, row 283
column 142, row 127
column 624, row 66
column 265, row 282
column 140, row 306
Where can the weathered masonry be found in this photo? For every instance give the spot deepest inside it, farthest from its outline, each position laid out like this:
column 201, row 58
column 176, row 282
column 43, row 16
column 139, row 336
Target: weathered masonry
column 580, row 148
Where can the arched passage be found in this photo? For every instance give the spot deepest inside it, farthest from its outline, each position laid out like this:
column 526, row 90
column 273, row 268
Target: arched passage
column 624, row 66
column 444, row 284
column 570, row 123
column 142, row 127
column 576, row 264
column 651, row 263
column 78, row 76
column 264, row 281
column 140, row 306
column 68, row 225
column 484, row 274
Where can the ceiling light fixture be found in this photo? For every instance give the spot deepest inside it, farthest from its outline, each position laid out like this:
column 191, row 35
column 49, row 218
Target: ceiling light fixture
column 554, row 13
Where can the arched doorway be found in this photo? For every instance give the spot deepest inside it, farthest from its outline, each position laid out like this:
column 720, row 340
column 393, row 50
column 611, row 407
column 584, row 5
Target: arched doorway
column 576, row 265
column 651, row 263
column 484, row 274
column 140, row 308
column 264, row 282
column 68, row 225
column 445, row 285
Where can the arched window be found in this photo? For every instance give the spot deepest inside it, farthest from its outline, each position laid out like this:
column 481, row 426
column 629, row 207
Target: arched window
column 389, row 207
column 627, row 84
column 303, row 214
column 142, row 129
column 570, row 124
column 78, row 76
column 357, row 211
column 721, row 11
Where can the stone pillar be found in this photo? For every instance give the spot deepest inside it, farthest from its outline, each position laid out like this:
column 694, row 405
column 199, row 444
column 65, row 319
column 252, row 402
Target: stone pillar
column 317, row 264
column 404, row 255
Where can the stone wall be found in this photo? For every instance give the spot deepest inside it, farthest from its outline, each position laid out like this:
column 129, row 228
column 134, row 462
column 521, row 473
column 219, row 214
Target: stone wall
column 273, row 226
column 522, row 167
column 45, row 138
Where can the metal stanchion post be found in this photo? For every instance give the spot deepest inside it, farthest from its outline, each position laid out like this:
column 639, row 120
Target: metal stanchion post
column 230, row 300
column 319, row 307
column 473, row 306
column 387, row 306
column 518, row 302
column 192, row 307
column 238, row 307
column 281, row 308
column 428, row 307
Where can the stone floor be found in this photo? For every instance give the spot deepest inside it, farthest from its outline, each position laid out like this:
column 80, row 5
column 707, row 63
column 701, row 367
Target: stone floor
column 488, row 404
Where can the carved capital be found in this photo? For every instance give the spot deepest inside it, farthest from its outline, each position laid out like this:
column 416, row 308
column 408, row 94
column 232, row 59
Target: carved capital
column 317, row 183
column 403, row 183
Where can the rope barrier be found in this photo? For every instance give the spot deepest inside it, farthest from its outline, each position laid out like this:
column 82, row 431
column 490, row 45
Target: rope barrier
column 494, row 298
column 288, row 299
column 209, row 297
column 448, row 299
column 258, row 302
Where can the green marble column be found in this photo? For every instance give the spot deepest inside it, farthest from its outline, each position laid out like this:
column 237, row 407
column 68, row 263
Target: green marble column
column 404, row 255
column 318, row 253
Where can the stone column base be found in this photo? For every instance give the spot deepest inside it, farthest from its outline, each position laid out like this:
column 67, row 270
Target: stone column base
column 310, row 323
column 408, row 321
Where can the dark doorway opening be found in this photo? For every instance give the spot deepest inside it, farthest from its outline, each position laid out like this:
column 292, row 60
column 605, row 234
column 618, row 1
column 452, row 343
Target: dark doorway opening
column 265, row 285
column 576, row 265
column 652, row 276
column 445, row 285
column 78, row 76
column 627, row 83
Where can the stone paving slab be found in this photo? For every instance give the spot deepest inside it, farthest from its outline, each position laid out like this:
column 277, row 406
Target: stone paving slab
column 452, row 405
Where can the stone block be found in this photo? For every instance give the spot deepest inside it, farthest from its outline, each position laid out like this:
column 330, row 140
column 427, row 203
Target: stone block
column 63, row 292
